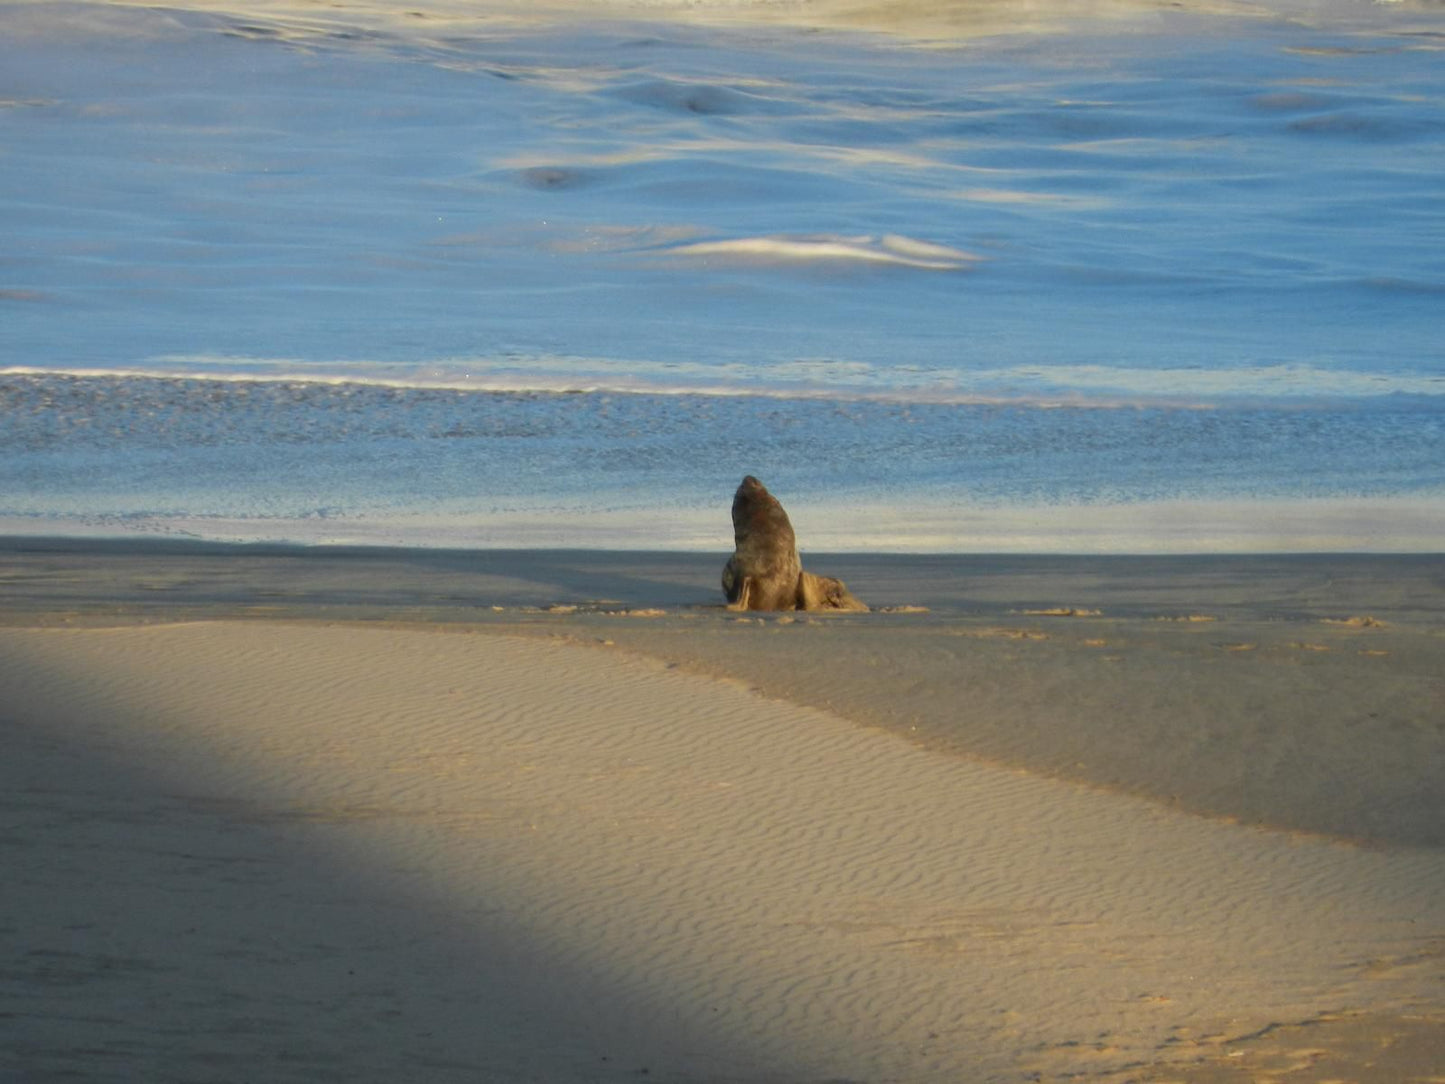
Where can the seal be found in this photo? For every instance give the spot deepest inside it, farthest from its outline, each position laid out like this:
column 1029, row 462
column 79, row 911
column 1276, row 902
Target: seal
column 764, row 572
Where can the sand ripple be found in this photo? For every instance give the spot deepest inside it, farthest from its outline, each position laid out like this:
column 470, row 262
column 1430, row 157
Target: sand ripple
column 518, row 859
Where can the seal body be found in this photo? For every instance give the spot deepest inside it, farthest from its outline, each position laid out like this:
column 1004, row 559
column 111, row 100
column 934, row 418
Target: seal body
column 764, row 572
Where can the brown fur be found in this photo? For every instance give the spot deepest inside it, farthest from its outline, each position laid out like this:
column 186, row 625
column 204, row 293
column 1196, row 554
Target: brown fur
column 826, row 593
column 764, row 572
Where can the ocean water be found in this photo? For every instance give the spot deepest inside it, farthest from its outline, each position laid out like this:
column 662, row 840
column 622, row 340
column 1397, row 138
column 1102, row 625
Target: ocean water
column 946, row 275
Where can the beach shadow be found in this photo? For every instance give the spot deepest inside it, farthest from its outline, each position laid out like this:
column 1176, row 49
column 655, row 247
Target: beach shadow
column 164, row 928
column 184, row 579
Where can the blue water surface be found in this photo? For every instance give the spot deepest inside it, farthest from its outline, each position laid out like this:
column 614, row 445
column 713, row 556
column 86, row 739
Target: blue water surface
column 264, row 265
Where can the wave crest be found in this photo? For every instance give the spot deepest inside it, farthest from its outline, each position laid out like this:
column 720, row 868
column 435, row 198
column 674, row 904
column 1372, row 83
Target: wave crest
column 784, row 250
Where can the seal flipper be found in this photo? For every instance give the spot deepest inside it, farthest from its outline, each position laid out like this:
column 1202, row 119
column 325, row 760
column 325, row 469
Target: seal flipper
column 745, row 595
column 826, row 593
column 737, row 588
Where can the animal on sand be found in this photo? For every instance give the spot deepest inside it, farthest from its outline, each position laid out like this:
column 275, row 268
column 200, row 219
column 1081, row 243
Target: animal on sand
column 764, row 572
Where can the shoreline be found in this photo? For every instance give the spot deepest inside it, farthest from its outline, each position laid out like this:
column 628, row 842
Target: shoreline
column 139, row 571
column 902, row 524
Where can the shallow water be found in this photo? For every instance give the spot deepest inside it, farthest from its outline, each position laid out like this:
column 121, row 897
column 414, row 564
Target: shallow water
column 365, row 273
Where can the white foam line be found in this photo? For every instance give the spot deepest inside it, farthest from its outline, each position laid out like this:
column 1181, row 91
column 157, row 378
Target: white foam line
column 890, row 249
column 564, row 386
column 1042, row 387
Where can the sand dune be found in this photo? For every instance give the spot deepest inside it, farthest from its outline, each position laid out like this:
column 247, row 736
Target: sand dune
column 303, row 852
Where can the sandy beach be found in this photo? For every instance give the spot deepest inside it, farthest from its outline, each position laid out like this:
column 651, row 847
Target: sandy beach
column 376, row 379
column 311, row 814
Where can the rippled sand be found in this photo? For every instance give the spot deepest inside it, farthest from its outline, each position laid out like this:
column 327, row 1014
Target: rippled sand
column 516, row 831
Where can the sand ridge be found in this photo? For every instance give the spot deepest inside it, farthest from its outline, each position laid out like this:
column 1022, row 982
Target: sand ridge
column 1326, row 727
column 510, row 859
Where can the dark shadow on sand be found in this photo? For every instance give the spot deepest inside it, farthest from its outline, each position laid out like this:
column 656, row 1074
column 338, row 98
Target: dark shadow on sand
column 156, row 929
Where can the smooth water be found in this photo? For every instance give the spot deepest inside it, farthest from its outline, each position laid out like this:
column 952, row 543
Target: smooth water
column 436, row 273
